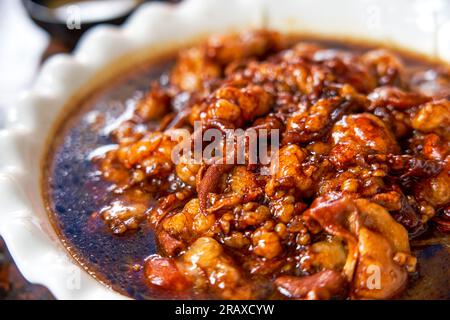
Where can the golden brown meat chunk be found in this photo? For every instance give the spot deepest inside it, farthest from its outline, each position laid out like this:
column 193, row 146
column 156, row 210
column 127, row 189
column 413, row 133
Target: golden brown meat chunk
column 193, row 70
column 386, row 66
column 189, row 223
column 209, row 267
column 378, row 258
column 360, row 135
column 287, row 171
column 433, row 117
column 154, row 105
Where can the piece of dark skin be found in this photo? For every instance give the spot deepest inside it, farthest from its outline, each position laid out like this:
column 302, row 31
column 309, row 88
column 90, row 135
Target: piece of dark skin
column 393, row 96
column 407, row 215
column 442, row 220
column 305, row 137
column 408, row 168
column 322, row 285
column 207, row 182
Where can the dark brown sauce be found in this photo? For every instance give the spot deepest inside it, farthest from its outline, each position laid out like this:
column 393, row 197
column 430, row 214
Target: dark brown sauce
column 74, row 190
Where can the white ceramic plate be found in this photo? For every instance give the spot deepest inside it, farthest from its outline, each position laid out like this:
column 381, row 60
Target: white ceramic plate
column 423, row 26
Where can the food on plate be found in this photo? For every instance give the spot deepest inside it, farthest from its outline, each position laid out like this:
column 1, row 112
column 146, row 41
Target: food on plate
column 360, row 172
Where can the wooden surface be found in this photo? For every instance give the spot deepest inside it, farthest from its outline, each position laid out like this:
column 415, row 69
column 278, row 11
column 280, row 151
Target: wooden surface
column 13, row 285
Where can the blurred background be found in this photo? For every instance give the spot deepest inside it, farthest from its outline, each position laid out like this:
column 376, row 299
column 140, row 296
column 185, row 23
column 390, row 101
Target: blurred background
column 30, row 32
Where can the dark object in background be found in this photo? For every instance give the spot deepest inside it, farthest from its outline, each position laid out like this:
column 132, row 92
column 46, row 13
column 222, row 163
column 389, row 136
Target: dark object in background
column 67, row 20
column 13, row 285
column 4, row 274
